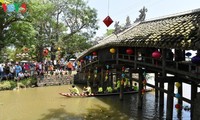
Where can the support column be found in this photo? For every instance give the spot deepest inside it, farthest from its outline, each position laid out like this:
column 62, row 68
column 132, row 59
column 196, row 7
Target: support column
column 170, row 101
column 161, row 97
column 193, row 96
column 130, row 79
column 102, row 77
column 140, row 96
column 135, row 58
column 122, row 84
column 161, row 102
column 180, row 102
column 156, row 85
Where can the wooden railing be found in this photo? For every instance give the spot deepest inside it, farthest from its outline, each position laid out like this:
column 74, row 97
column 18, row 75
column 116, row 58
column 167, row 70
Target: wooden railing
column 179, row 67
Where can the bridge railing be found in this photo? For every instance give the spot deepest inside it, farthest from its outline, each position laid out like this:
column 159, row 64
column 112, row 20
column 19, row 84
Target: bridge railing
column 174, row 66
column 170, row 65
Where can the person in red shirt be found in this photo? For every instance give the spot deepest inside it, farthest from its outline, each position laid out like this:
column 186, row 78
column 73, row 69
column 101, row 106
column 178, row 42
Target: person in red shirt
column 26, row 67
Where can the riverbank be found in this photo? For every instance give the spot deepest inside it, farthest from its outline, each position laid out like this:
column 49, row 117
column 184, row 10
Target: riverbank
column 37, row 81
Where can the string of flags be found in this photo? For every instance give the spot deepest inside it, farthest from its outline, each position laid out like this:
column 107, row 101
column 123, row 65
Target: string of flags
column 13, row 7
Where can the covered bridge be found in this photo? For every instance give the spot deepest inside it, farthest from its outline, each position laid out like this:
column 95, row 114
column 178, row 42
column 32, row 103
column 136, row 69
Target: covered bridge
column 155, row 46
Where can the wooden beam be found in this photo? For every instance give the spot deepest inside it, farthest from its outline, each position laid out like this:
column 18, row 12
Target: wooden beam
column 165, row 91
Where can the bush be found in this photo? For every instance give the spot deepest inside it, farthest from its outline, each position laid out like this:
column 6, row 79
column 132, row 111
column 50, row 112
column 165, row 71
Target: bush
column 5, row 85
column 28, row 82
column 13, row 84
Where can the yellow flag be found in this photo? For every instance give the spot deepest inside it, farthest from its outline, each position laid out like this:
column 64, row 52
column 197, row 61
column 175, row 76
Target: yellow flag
column 1, row 1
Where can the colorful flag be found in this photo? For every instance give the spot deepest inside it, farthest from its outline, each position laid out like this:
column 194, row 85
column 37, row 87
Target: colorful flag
column 1, row 1
column 11, row 8
column 23, row 6
column 17, row 5
column 4, row 6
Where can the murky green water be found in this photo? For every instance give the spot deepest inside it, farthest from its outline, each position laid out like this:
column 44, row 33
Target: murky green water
column 45, row 103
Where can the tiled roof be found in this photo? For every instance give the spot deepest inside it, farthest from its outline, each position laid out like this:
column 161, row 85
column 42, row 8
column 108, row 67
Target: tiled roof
column 180, row 31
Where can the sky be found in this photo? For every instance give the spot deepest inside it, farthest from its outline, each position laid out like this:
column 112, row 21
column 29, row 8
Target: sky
column 118, row 10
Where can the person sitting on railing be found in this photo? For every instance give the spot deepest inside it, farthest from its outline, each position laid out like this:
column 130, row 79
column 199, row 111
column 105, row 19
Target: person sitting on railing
column 100, row 90
column 109, row 89
column 135, row 87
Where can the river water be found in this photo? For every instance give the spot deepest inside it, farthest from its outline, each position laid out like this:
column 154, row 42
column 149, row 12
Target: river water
column 44, row 103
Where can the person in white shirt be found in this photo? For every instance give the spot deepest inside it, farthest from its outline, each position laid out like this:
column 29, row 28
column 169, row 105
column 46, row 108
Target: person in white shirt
column 21, row 75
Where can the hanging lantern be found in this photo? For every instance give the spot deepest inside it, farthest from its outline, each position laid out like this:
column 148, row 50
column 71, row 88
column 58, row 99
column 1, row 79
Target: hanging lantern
column 129, row 51
column 106, row 77
column 196, row 59
column 25, row 49
column 45, row 52
column 81, row 61
column 178, row 106
column 123, row 75
column 107, row 66
column 144, row 82
column 122, row 82
column 94, row 53
column 86, row 57
column 188, row 54
column 108, row 21
column 178, row 84
column 123, row 69
column 156, row 54
column 143, row 91
column 112, row 50
column 186, row 108
column 177, row 95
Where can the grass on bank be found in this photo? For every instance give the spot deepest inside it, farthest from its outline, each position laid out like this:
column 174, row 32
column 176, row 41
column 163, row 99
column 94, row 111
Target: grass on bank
column 12, row 84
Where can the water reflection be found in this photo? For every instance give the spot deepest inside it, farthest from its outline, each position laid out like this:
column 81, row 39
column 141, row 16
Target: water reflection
column 46, row 104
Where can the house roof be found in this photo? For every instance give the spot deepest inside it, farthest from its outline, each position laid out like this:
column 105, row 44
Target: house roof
column 179, row 31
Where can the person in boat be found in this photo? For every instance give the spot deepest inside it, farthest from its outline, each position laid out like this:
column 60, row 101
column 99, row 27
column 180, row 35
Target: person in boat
column 87, row 90
column 74, row 90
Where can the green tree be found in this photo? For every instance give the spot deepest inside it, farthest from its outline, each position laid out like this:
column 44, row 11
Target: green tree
column 79, row 19
column 15, row 29
column 109, row 32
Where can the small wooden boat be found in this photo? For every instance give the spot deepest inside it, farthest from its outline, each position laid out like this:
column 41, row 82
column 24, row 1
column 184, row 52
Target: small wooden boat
column 95, row 95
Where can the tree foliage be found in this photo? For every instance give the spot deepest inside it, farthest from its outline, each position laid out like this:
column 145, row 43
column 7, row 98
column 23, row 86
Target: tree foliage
column 67, row 24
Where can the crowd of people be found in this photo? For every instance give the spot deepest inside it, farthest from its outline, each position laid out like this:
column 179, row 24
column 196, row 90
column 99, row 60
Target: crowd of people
column 21, row 70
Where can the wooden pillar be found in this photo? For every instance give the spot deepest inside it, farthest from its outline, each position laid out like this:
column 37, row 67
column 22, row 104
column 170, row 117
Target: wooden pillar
column 122, row 83
column 117, row 56
column 135, row 58
column 121, row 95
column 140, row 96
column 180, row 102
column 130, row 79
column 179, row 55
column 111, row 78
column 170, row 101
column 102, row 77
column 161, row 102
column 193, row 96
column 161, row 97
column 156, row 85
